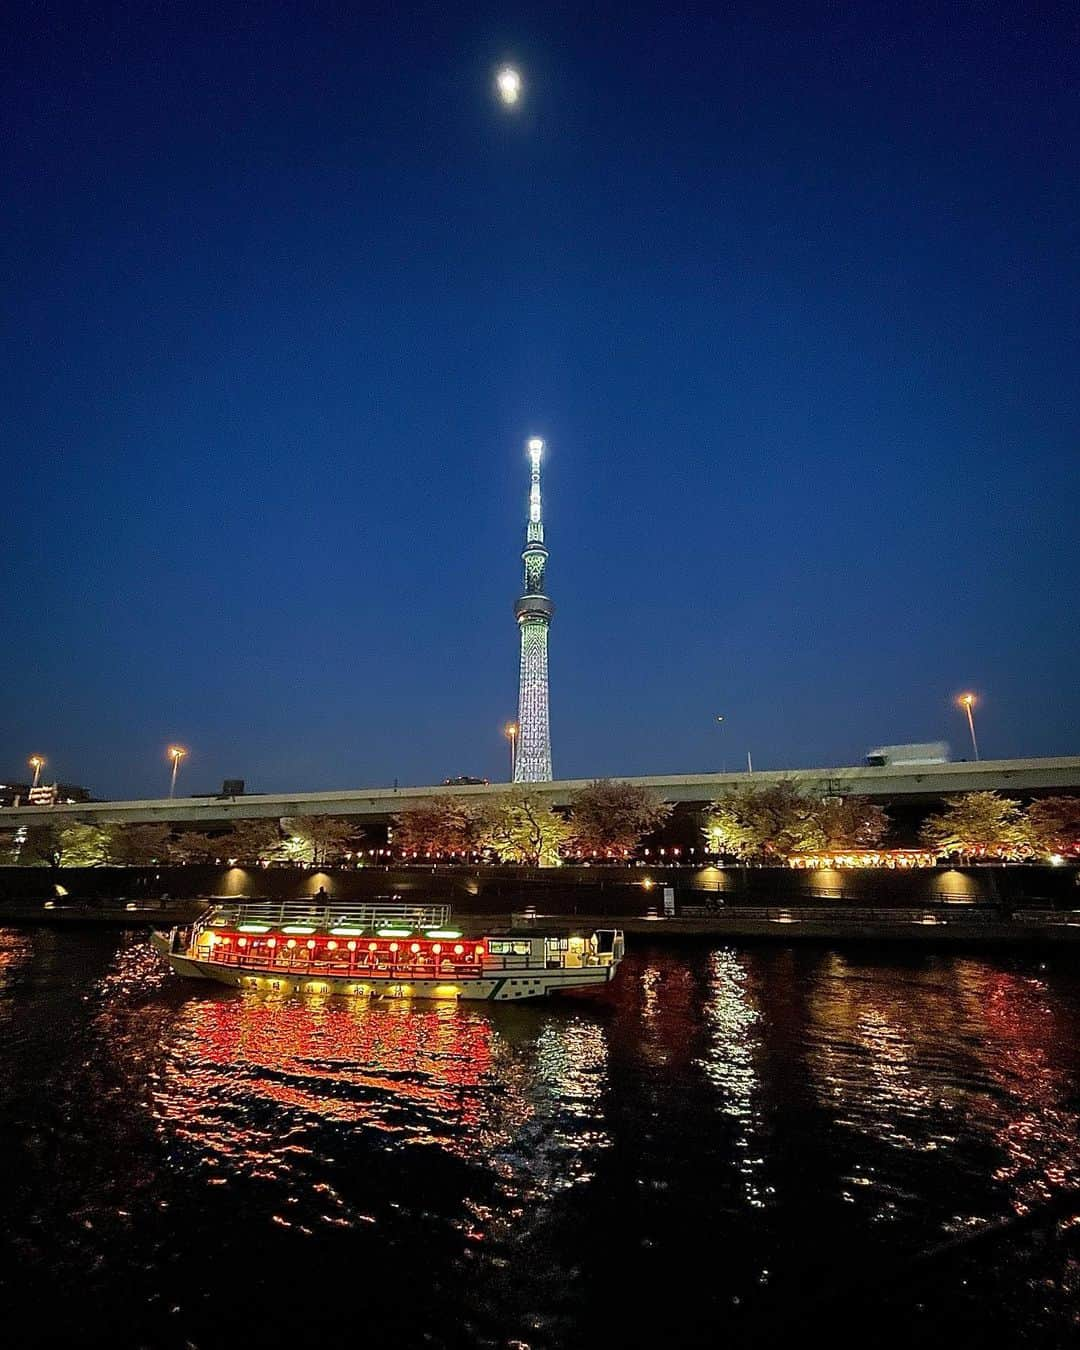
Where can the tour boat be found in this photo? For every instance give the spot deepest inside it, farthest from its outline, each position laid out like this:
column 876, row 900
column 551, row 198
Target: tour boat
column 399, row 951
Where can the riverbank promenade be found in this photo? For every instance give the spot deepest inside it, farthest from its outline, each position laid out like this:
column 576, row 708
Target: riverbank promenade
column 942, row 919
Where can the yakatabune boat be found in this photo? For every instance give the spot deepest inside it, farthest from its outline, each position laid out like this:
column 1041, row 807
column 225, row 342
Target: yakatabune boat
column 402, row 951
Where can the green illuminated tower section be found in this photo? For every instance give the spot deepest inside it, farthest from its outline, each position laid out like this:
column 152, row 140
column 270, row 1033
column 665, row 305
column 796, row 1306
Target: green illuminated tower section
column 534, row 610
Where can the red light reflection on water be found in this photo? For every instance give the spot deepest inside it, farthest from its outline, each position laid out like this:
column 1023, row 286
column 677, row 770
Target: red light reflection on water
column 1031, row 1054
column 957, row 1049
column 333, row 1058
column 15, row 950
column 280, row 1088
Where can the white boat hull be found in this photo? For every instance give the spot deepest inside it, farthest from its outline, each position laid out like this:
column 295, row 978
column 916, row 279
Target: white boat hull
column 501, row 987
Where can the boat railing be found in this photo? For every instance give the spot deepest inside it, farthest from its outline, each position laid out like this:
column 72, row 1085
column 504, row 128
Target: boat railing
column 339, row 914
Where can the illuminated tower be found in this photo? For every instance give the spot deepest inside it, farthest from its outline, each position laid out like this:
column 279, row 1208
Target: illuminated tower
column 534, row 611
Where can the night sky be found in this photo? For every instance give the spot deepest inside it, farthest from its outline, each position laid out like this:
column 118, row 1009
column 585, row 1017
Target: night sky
column 791, row 291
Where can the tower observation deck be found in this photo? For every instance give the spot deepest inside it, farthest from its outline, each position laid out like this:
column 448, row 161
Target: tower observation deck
column 532, row 763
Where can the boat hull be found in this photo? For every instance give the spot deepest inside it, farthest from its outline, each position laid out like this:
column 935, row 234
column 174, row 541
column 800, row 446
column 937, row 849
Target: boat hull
column 497, row 987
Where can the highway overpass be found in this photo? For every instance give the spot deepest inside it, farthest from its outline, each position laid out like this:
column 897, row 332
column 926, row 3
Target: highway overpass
column 889, row 783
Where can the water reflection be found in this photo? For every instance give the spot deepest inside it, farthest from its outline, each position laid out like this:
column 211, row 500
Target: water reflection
column 733, row 1023
column 269, row 1088
column 737, row 1126
column 1029, row 1057
column 955, row 1057
column 15, row 949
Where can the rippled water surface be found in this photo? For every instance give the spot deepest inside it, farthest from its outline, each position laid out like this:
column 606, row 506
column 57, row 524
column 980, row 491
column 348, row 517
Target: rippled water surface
column 733, row 1146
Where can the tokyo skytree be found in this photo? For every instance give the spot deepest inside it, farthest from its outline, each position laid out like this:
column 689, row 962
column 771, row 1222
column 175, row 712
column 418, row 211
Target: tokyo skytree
column 532, row 763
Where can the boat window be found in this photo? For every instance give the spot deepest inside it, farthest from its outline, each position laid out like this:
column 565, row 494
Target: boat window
column 502, row 948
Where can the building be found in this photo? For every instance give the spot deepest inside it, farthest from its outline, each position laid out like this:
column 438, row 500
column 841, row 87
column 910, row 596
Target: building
column 532, row 761
column 62, row 794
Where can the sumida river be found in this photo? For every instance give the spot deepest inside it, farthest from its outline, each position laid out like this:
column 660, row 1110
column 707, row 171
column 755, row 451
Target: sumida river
column 738, row 1146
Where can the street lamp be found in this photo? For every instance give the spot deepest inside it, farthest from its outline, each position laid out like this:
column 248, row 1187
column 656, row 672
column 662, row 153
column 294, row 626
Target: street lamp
column 720, row 723
column 511, row 733
column 176, row 753
column 37, row 763
column 967, row 702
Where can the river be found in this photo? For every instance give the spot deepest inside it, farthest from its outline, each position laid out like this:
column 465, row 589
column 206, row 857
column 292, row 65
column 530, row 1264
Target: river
column 730, row 1146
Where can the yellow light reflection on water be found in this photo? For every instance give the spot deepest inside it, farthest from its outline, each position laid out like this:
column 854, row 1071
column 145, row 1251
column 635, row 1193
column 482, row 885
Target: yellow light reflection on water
column 734, row 1023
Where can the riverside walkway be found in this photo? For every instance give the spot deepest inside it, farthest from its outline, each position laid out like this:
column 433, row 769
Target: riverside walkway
column 947, row 924
column 971, row 924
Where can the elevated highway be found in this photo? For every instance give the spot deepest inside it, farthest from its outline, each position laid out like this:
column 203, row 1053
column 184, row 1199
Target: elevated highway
column 890, row 783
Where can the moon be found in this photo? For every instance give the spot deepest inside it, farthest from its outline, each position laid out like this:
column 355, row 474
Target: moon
column 508, row 83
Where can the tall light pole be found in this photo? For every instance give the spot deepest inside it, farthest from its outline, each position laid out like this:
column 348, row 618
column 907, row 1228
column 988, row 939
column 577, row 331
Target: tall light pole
column 511, row 733
column 967, row 702
column 176, row 754
column 37, row 763
column 720, row 723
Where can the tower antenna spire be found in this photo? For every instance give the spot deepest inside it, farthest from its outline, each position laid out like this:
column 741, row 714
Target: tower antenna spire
column 535, row 531
column 533, row 612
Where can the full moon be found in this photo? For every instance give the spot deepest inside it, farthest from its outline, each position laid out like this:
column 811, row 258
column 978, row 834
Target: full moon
column 508, row 83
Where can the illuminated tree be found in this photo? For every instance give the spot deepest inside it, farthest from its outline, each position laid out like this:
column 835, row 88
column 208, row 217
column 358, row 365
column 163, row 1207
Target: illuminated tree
column 136, row 845
column 844, row 822
column 520, row 826
column 194, row 846
column 979, row 823
column 42, row 846
column 611, row 817
column 54, row 845
column 438, row 825
column 252, row 841
column 322, row 840
column 761, row 822
column 1054, row 823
